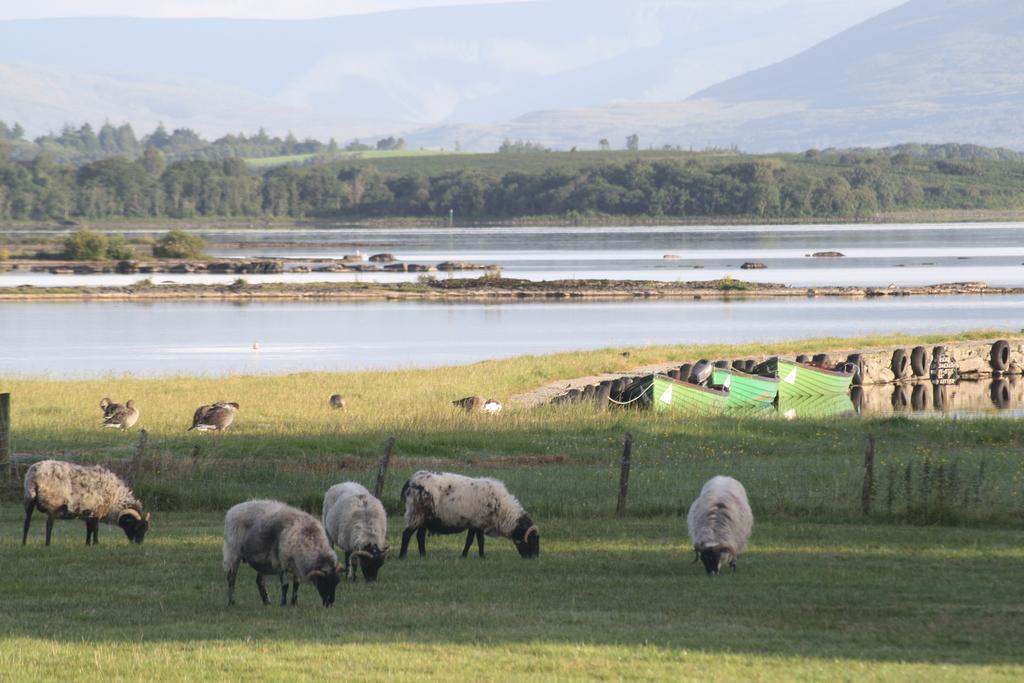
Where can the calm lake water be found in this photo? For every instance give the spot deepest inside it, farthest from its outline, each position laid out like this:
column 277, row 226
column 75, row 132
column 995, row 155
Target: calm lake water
column 874, row 255
column 162, row 338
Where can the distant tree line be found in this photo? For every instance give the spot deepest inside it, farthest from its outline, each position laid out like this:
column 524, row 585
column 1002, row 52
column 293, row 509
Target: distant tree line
column 818, row 185
column 83, row 144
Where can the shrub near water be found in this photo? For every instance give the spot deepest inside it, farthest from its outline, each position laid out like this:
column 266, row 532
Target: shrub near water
column 179, row 244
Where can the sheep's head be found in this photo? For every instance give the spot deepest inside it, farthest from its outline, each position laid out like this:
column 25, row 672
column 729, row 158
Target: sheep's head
column 712, row 558
column 370, row 559
column 325, row 578
column 526, row 536
column 134, row 524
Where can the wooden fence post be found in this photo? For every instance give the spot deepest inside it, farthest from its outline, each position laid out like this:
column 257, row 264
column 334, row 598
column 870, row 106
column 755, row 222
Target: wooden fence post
column 382, row 471
column 6, row 455
column 140, row 450
column 627, row 454
column 869, row 475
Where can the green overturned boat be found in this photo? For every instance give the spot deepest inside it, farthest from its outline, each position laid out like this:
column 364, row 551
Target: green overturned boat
column 746, row 390
column 832, row 405
column 664, row 393
column 803, row 379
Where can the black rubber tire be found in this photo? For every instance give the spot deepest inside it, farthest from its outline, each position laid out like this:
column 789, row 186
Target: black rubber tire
column 858, row 376
column 900, row 363
column 919, row 361
column 919, row 398
column 820, row 359
column 617, row 387
column 573, row 396
column 937, row 352
column 857, row 398
column 674, row 374
column 722, row 364
column 999, row 359
column 1000, row 393
column 588, row 393
column 684, row 371
column 749, row 365
column 602, row 394
column 739, row 364
column 900, row 398
column 802, row 358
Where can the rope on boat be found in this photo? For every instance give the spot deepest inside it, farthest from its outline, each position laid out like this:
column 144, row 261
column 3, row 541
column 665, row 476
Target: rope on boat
column 634, row 399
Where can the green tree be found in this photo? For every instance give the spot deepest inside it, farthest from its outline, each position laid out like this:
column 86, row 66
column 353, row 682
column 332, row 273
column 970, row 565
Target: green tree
column 85, row 245
column 118, row 248
column 633, row 142
column 179, row 244
column 604, row 145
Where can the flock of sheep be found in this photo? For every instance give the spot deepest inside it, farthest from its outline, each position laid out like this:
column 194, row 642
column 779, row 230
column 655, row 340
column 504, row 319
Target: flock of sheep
column 277, row 539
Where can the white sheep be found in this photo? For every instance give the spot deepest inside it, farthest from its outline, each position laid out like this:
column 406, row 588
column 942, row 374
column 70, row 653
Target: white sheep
column 444, row 503
column 64, row 490
column 719, row 522
column 356, row 522
column 274, row 538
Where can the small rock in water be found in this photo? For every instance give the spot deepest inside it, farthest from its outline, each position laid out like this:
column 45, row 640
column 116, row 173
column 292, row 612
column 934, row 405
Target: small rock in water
column 671, row 257
column 753, row 265
column 819, row 254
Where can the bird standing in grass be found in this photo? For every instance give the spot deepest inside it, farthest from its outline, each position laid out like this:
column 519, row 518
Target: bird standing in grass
column 337, row 402
column 109, row 407
column 121, row 416
column 215, row 417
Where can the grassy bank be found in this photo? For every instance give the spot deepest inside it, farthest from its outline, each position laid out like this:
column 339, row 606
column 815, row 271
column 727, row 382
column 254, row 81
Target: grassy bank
column 562, row 460
column 604, row 600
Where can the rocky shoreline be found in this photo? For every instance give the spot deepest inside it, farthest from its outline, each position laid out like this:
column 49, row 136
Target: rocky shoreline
column 488, row 288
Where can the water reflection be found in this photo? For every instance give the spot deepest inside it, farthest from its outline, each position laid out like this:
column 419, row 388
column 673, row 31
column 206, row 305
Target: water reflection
column 1003, row 395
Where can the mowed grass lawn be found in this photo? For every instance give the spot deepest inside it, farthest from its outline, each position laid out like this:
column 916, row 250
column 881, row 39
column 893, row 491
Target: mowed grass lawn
column 608, row 598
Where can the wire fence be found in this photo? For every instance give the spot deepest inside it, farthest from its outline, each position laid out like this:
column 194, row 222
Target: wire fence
column 925, row 488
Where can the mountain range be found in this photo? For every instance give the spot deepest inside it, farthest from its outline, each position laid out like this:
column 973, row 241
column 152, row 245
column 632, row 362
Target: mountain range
column 758, row 74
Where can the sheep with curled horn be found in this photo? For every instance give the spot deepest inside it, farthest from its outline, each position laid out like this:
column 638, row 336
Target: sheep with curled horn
column 64, row 490
column 215, row 417
column 275, row 538
column 719, row 522
column 122, row 417
column 356, row 522
column 445, row 503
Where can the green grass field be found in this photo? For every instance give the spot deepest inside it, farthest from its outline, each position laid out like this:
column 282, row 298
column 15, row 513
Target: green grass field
column 606, row 599
column 927, row 586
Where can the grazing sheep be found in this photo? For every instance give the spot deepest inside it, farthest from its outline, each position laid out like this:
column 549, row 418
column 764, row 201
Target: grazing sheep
column 719, row 522
column 337, row 402
column 444, row 503
column 122, row 417
column 274, row 538
column 215, row 417
column 108, row 407
column 356, row 522
column 65, row 490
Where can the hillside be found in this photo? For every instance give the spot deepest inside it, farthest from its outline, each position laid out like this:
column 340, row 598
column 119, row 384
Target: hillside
column 46, row 98
column 442, row 64
column 927, row 71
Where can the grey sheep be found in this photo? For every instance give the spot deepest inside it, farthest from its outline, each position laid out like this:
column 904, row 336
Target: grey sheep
column 64, row 490
column 720, row 522
column 444, row 503
column 356, row 522
column 275, row 538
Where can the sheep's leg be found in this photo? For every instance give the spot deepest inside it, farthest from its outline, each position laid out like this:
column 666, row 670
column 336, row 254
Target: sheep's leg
column 261, row 586
column 30, row 507
column 732, row 565
column 355, row 569
column 480, row 542
column 92, row 531
column 49, row 528
column 284, row 589
column 295, row 590
column 232, row 575
column 406, row 536
column 421, row 540
column 469, row 542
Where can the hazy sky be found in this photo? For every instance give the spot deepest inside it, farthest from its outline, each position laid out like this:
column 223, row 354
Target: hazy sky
column 266, row 9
